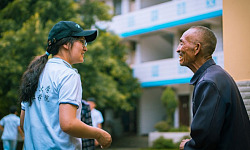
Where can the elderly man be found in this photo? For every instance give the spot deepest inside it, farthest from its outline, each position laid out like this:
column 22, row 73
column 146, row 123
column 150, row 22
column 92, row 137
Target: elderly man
column 220, row 120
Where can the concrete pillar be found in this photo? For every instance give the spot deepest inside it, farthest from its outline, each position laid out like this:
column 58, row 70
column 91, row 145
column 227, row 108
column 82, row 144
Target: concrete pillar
column 137, row 4
column 125, row 6
column 236, row 33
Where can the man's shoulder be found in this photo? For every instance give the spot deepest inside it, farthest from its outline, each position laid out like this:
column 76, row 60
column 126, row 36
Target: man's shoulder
column 214, row 74
column 216, row 77
column 15, row 116
column 10, row 117
column 95, row 111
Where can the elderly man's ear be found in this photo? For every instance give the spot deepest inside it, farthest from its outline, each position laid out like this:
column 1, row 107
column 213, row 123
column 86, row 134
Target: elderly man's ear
column 197, row 48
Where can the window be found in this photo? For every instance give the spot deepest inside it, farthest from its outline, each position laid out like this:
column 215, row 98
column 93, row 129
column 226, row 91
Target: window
column 117, row 7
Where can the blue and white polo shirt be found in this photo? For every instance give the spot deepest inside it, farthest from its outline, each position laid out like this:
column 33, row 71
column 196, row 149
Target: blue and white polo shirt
column 59, row 83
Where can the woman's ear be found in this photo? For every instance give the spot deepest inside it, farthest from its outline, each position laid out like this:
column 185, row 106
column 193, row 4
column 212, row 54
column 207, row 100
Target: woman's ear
column 66, row 46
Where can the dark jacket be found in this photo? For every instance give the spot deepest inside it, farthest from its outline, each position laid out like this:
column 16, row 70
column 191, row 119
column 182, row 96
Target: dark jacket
column 220, row 120
column 87, row 144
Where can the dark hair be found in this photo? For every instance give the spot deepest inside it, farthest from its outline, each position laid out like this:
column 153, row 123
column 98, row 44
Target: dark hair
column 30, row 78
column 13, row 109
column 92, row 99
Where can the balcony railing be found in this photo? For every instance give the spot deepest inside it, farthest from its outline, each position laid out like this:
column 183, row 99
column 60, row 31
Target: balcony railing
column 167, row 71
column 165, row 15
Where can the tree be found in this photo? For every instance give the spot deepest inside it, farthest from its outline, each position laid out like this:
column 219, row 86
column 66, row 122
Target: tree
column 169, row 100
column 24, row 28
column 93, row 11
column 106, row 75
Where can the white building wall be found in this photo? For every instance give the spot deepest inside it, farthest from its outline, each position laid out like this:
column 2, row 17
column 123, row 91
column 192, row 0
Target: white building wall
column 155, row 48
column 217, row 29
column 147, row 3
column 151, row 110
column 165, row 15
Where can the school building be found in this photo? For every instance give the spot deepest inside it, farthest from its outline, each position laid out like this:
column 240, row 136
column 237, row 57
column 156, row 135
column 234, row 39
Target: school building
column 152, row 29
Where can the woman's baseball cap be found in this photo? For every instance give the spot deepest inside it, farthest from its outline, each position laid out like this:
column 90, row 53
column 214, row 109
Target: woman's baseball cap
column 69, row 29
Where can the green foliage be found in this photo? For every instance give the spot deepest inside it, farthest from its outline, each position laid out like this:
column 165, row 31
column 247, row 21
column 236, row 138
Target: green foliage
column 110, row 79
column 4, row 3
column 24, row 29
column 180, row 129
column 162, row 126
column 94, row 10
column 169, row 100
column 162, row 143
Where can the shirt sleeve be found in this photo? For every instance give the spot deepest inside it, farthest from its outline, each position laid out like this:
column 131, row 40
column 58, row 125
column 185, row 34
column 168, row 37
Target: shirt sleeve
column 100, row 117
column 2, row 122
column 22, row 106
column 18, row 121
column 208, row 117
column 71, row 90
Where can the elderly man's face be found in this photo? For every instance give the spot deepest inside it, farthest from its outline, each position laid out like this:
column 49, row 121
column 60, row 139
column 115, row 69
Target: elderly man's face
column 186, row 49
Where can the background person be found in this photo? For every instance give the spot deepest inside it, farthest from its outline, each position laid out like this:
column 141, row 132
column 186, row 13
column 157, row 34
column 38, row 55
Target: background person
column 51, row 93
column 10, row 125
column 220, row 120
column 87, row 144
column 96, row 115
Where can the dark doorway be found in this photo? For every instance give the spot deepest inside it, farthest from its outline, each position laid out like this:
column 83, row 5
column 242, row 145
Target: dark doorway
column 129, row 121
column 184, row 110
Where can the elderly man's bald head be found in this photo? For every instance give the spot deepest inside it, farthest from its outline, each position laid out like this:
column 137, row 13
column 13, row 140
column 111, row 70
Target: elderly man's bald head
column 205, row 37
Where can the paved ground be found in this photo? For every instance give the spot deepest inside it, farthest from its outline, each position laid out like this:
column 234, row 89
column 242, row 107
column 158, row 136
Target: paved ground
column 126, row 142
column 129, row 142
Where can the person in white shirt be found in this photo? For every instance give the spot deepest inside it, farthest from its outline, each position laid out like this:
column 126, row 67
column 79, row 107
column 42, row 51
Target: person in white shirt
column 10, row 125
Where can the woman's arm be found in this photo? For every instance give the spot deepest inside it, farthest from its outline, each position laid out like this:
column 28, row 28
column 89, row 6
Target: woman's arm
column 21, row 132
column 1, row 128
column 22, row 119
column 75, row 127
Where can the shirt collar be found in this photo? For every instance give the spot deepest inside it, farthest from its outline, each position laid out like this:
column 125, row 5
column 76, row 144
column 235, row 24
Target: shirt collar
column 200, row 71
column 59, row 60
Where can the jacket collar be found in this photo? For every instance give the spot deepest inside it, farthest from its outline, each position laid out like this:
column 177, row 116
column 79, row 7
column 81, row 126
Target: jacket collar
column 200, row 71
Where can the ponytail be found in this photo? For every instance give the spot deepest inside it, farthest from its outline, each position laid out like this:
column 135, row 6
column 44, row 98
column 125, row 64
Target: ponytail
column 30, row 78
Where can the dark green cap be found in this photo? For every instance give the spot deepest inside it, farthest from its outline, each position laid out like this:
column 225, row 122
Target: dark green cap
column 69, row 29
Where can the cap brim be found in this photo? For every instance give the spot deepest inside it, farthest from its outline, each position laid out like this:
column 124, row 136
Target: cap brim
column 90, row 35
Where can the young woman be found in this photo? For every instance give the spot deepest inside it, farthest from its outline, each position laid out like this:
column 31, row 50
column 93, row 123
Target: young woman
column 51, row 93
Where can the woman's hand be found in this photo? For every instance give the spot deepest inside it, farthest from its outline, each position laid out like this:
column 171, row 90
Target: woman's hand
column 104, row 139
